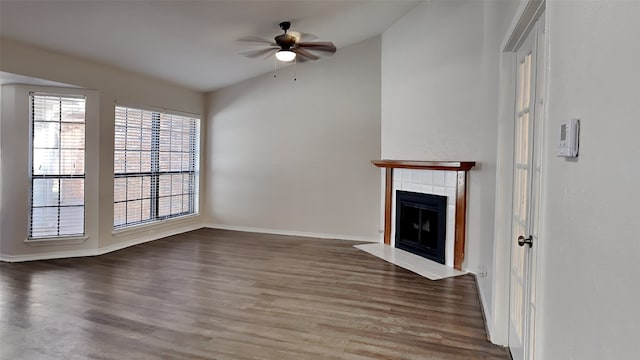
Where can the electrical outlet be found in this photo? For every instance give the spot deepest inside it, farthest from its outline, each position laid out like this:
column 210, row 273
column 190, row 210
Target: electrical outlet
column 482, row 271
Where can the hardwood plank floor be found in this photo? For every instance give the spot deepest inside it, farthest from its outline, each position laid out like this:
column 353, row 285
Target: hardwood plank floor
column 215, row 294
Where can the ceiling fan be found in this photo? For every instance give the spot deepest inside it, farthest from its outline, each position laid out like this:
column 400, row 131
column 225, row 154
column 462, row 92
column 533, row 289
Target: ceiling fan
column 289, row 46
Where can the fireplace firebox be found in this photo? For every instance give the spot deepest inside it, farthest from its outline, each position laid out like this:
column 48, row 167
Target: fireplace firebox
column 421, row 224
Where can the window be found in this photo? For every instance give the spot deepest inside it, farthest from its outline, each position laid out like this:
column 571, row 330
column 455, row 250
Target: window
column 57, row 165
column 155, row 166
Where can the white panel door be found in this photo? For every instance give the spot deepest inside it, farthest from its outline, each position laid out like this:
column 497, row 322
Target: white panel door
column 526, row 193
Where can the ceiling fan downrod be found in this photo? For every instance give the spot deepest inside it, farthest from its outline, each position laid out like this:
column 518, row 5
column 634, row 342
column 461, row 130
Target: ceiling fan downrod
column 285, row 25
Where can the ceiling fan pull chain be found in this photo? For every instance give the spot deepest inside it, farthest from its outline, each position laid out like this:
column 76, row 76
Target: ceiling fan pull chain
column 295, row 69
column 275, row 68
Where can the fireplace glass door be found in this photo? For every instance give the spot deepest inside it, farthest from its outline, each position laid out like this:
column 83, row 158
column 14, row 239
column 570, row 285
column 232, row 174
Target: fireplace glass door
column 421, row 224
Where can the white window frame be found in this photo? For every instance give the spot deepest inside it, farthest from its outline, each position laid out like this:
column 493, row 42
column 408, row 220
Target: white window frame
column 155, row 173
column 80, row 236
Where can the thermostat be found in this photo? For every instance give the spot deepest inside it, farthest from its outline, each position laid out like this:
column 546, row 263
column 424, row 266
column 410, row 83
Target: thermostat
column 569, row 134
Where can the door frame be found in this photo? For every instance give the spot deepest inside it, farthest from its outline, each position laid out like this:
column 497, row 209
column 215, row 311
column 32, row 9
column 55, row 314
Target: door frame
column 523, row 21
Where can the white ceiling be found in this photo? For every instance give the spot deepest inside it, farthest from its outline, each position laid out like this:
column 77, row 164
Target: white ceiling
column 191, row 43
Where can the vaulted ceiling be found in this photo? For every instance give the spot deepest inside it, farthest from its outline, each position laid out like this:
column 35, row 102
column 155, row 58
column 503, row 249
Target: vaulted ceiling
column 190, row 43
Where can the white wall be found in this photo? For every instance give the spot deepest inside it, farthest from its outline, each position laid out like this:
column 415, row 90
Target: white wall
column 4, row 96
column 589, row 288
column 294, row 157
column 108, row 84
column 439, row 102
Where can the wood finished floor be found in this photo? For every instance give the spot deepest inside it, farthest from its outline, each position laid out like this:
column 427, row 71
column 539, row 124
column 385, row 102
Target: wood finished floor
column 214, row 294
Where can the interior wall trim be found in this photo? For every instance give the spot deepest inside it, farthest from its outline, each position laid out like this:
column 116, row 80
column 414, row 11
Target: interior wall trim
column 528, row 15
column 293, row 233
column 482, row 298
column 98, row 251
column 522, row 22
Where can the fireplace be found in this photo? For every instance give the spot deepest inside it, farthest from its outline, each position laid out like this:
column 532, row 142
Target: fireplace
column 457, row 214
column 421, row 224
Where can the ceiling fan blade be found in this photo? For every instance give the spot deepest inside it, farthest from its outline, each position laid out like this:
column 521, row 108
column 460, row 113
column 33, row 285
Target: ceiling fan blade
column 305, row 54
column 326, row 47
column 307, row 37
column 260, row 52
column 256, row 40
column 302, row 59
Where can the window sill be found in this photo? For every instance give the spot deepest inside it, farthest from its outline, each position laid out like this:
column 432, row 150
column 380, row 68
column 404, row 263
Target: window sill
column 152, row 226
column 56, row 241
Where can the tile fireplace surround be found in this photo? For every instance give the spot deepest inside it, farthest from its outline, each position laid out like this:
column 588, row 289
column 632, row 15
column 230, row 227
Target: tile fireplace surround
column 446, row 178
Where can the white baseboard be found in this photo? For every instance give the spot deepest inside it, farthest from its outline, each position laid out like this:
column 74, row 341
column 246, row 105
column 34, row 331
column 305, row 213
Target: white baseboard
column 49, row 255
column 293, row 233
column 483, row 305
column 98, row 251
column 159, row 235
column 150, row 237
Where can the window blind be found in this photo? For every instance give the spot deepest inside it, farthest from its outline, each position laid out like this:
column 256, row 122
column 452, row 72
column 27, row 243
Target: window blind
column 155, row 164
column 57, row 165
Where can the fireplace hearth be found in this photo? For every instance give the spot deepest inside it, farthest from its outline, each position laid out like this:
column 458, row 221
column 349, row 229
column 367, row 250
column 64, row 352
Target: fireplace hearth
column 421, row 224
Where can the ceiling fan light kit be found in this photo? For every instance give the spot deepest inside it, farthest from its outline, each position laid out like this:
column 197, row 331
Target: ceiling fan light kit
column 288, row 46
column 285, row 55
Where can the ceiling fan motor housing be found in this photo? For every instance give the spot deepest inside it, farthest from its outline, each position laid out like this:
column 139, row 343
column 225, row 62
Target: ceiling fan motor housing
column 285, row 41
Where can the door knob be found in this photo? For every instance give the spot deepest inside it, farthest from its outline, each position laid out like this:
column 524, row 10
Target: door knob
column 523, row 240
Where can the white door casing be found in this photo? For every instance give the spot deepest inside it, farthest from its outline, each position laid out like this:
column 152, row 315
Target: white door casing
column 526, row 193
